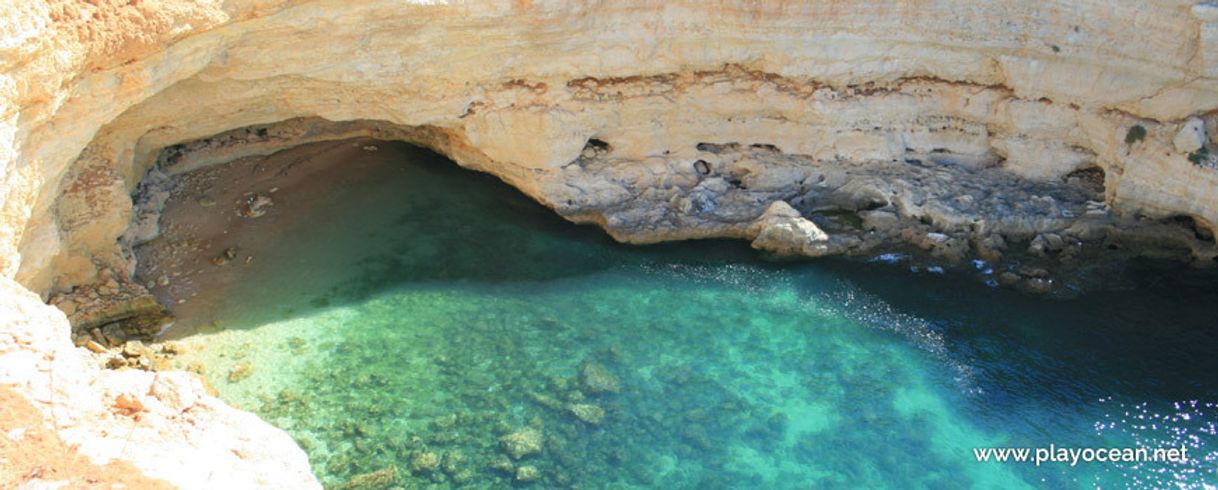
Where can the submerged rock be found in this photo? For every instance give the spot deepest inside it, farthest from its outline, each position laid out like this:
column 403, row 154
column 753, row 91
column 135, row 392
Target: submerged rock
column 376, row 480
column 422, row 462
column 598, row 379
column 172, row 348
column 1046, row 243
column 503, row 464
column 1008, row 278
column 463, row 476
column 588, row 413
column 445, row 421
column 229, row 254
column 254, row 205
column 546, row 401
column 522, row 443
column 297, row 344
column 240, row 372
column 527, row 473
column 452, row 462
column 197, row 368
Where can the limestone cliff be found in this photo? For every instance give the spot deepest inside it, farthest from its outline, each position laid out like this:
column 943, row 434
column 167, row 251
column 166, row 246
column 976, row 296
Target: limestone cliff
column 656, row 120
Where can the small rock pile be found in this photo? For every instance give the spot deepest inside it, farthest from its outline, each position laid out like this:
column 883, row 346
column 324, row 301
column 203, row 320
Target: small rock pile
column 112, row 353
column 124, row 307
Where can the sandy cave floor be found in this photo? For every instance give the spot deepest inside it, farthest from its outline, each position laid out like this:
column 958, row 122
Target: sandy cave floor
column 187, row 268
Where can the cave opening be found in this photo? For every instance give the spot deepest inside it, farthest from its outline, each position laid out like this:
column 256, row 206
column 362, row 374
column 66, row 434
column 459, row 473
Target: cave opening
column 330, row 223
column 1090, row 178
column 1194, row 226
column 396, row 313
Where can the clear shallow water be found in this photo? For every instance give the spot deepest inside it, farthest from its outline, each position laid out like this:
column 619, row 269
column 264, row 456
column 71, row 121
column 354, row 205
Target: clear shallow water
column 427, row 311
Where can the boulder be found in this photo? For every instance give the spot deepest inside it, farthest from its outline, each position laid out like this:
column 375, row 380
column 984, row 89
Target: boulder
column 588, row 413
column 1191, row 136
column 376, row 480
column 782, row 230
column 522, row 443
column 525, row 474
column 598, row 379
column 424, row 462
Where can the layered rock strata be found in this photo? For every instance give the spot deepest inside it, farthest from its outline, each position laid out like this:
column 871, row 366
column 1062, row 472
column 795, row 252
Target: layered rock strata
column 964, row 128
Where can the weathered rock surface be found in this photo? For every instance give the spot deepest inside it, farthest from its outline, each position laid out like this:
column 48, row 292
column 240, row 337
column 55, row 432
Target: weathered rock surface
column 1191, row 136
column 951, row 125
column 588, row 413
column 1051, row 92
column 164, row 424
column 525, row 442
column 784, row 231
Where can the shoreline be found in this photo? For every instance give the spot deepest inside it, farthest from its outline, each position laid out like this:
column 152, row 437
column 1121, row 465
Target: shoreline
column 1067, row 250
column 1079, row 250
column 197, row 233
column 209, row 211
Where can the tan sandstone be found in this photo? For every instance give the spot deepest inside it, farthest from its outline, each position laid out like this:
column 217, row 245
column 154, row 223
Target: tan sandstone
column 600, row 110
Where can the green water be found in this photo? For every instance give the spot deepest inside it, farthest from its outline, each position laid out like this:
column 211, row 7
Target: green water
column 428, row 311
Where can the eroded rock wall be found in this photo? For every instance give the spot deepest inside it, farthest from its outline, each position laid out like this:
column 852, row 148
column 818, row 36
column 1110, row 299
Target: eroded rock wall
column 1041, row 90
column 603, row 110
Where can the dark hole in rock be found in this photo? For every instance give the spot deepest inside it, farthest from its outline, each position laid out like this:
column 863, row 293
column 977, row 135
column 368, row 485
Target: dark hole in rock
column 595, row 148
column 171, row 154
column 766, row 147
column 1089, row 178
column 1191, row 224
column 702, row 167
column 716, row 149
column 838, row 220
column 599, row 145
column 871, row 204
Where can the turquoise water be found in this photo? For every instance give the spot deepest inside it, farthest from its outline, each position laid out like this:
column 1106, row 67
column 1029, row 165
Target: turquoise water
column 423, row 312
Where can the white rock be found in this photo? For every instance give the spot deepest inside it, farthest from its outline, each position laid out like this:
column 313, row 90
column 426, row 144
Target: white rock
column 1206, row 11
column 1191, row 136
column 784, row 231
column 192, row 449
